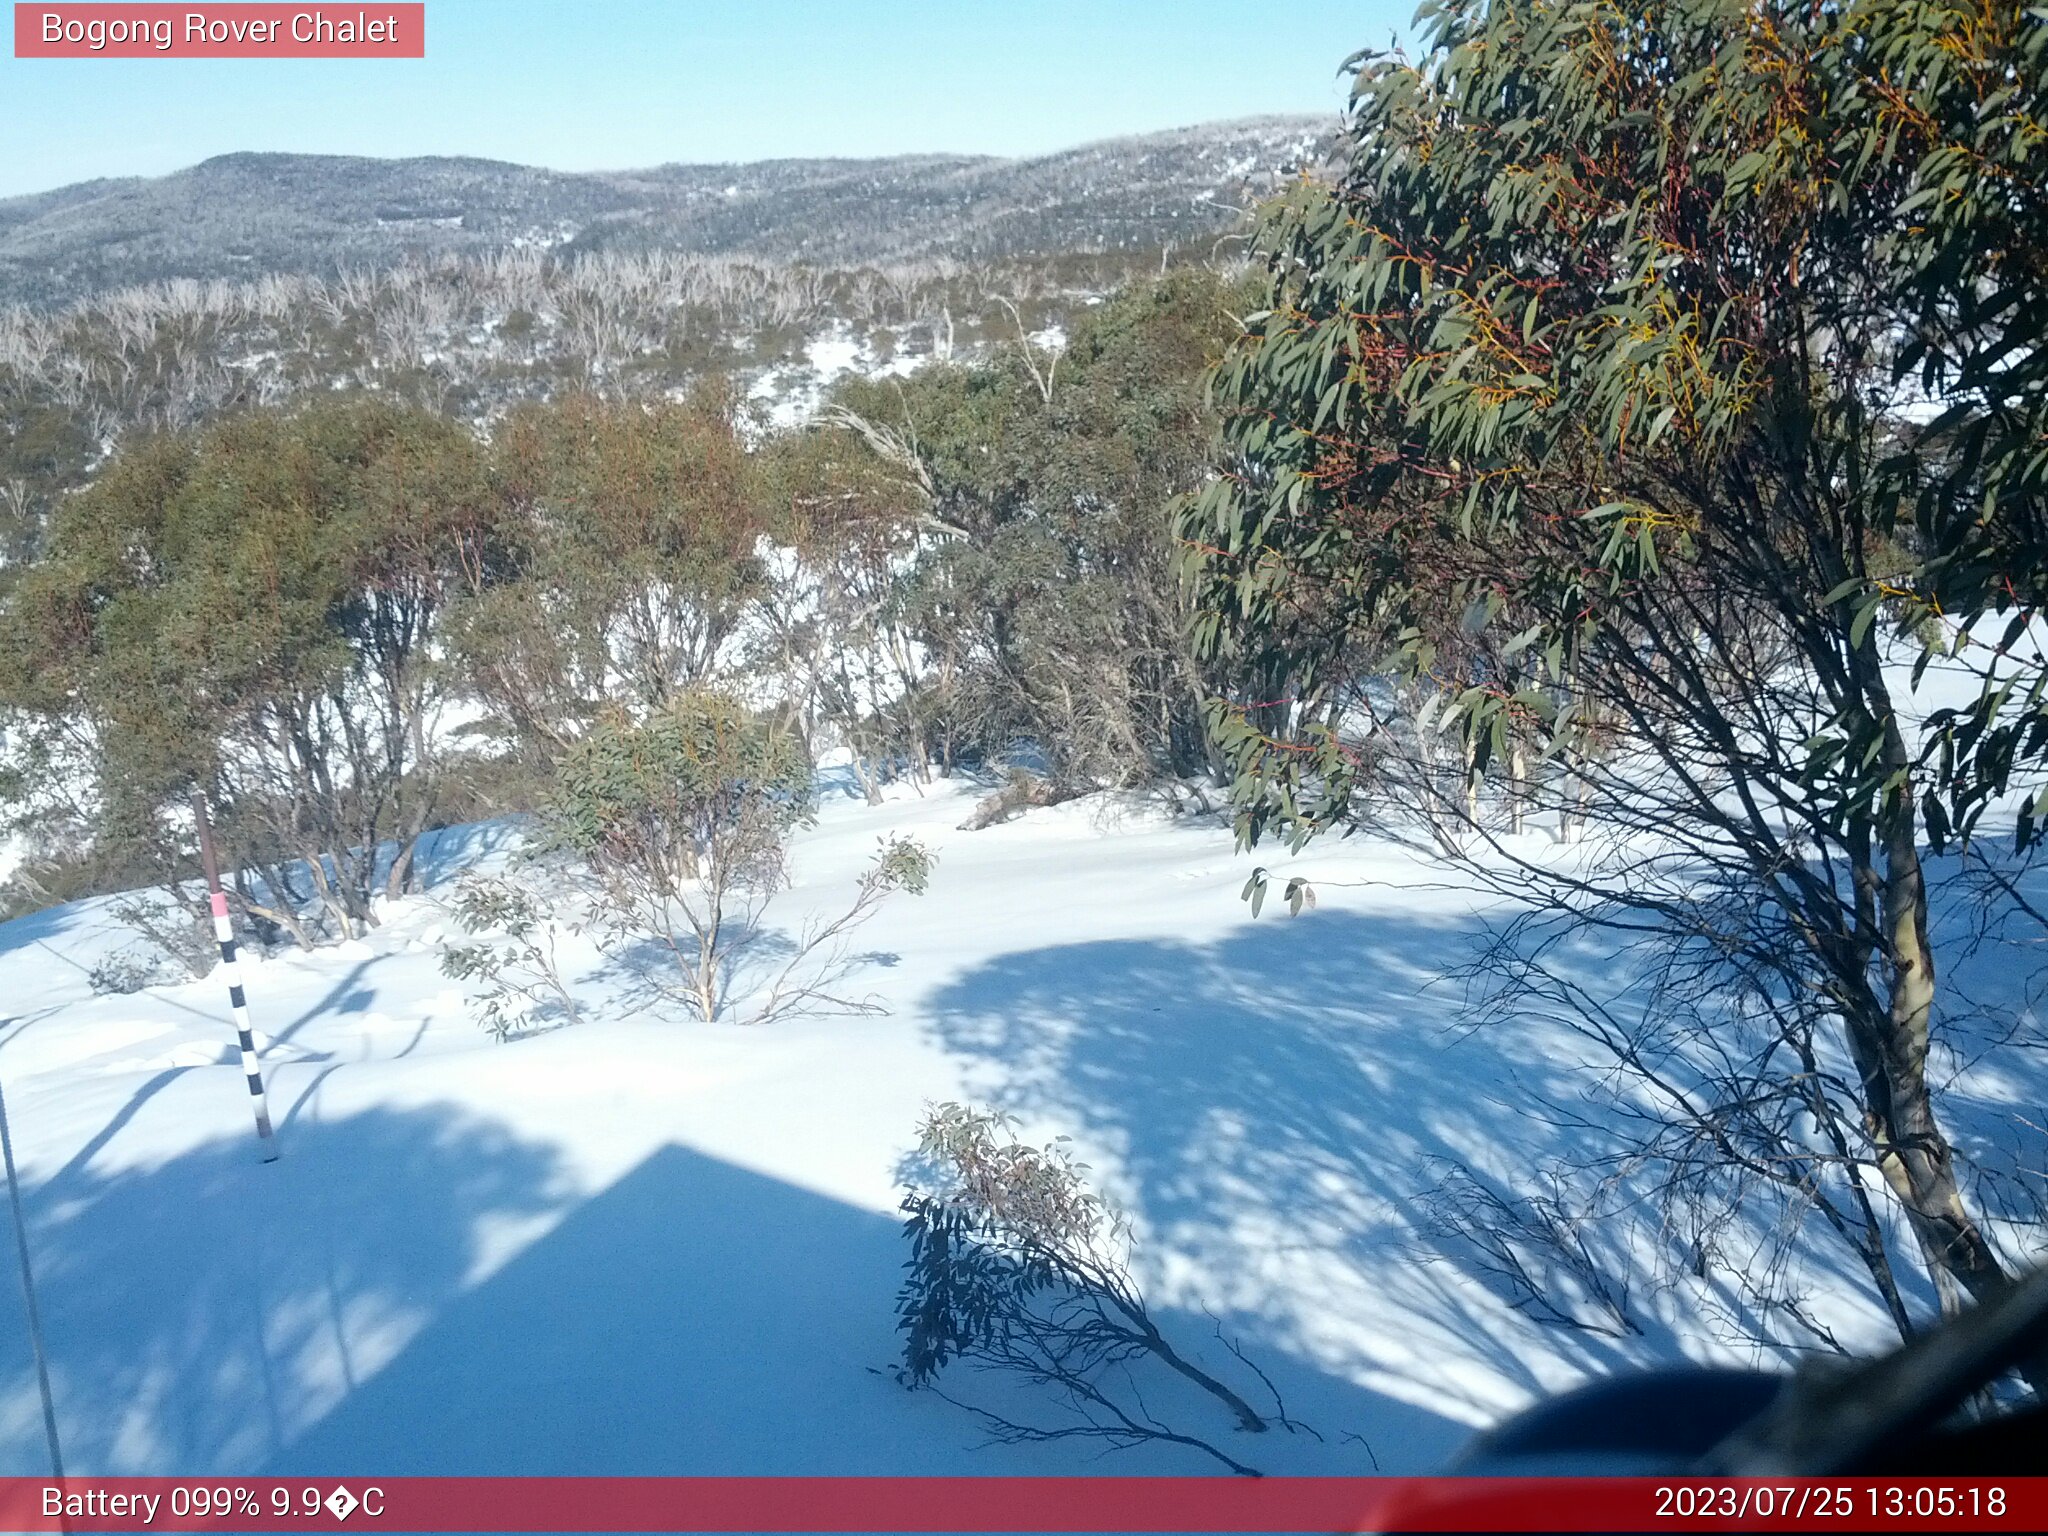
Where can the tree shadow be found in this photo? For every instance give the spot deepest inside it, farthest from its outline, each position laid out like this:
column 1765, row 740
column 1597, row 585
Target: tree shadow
column 444, row 853
column 1989, row 1057
column 640, row 975
column 349, row 993
column 39, row 927
column 347, row 1308
column 1281, row 1103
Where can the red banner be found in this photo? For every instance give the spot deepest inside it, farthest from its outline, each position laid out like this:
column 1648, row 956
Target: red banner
column 372, row 30
column 1191, row 1504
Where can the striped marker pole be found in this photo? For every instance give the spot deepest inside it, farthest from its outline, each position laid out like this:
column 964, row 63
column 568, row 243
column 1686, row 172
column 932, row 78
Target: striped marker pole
column 231, row 968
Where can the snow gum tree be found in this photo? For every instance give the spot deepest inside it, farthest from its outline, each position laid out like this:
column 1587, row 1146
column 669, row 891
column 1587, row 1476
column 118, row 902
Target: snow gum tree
column 1031, row 556
column 622, row 558
column 1018, row 1267
column 1657, row 370
column 853, row 521
column 252, row 611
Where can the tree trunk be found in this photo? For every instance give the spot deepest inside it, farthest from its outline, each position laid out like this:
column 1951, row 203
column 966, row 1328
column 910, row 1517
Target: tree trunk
column 1890, row 1053
column 1914, row 1153
column 281, row 909
column 1890, row 1048
column 399, row 881
column 330, row 898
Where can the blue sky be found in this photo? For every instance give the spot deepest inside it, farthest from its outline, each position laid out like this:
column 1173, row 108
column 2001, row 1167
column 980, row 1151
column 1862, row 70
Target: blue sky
column 591, row 84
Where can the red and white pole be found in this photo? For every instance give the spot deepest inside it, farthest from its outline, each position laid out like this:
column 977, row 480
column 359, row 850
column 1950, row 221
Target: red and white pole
column 231, row 969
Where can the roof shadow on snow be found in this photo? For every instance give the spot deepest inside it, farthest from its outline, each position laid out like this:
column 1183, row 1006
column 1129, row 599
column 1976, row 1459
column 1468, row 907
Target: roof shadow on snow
column 697, row 1318
column 200, row 1312
column 1287, row 1097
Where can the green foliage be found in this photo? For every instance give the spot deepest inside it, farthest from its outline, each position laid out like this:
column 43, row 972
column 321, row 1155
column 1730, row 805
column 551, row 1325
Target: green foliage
column 1017, row 1266
column 1298, row 894
column 998, row 1224
column 1032, row 565
column 618, row 562
column 514, row 959
column 276, row 607
column 1584, row 403
column 44, row 452
column 701, row 778
column 683, row 821
column 902, row 864
column 1612, row 304
column 252, row 611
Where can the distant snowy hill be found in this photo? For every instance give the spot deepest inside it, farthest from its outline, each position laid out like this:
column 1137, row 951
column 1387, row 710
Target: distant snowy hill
column 245, row 215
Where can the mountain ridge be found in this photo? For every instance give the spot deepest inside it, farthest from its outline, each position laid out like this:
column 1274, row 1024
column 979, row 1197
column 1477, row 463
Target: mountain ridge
column 248, row 213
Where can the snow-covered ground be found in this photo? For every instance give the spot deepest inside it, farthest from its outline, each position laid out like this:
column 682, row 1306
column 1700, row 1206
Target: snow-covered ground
column 791, row 393
column 645, row 1245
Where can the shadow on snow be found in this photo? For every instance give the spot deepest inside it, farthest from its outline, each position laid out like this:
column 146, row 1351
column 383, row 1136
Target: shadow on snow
column 330, row 1312
column 1280, row 1103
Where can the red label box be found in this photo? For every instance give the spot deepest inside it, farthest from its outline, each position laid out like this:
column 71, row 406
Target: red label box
column 365, row 29
column 144, row 1506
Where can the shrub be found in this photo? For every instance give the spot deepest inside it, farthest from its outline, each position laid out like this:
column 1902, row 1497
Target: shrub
column 1018, row 1267
column 521, row 975
column 254, row 612
column 131, row 970
column 683, row 820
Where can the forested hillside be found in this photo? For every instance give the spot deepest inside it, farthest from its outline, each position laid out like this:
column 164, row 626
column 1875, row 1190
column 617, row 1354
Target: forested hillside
column 251, row 215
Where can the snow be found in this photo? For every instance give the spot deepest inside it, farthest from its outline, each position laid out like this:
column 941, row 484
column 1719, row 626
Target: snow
column 646, row 1245
column 792, row 392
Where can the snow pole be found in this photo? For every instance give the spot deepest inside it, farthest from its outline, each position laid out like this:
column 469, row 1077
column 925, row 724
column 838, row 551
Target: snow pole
column 224, row 930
